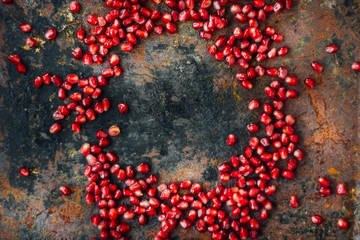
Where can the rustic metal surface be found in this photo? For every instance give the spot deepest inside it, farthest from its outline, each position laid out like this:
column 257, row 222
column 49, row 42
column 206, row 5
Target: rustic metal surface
column 183, row 105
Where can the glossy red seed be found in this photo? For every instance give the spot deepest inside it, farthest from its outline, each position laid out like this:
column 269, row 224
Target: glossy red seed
column 331, row 48
column 324, row 191
column 316, row 219
column 316, row 66
column 231, row 140
column 24, row 172
column 253, row 104
column 64, row 190
column 355, row 66
column 38, row 81
column 74, row 6
column 21, row 68
column 341, row 189
column 114, row 130
column 14, row 58
column 342, row 224
column 309, row 82
column 50, row 33
column 55, row 128
column 294, row 203
column 123, row 108
column 25, row 27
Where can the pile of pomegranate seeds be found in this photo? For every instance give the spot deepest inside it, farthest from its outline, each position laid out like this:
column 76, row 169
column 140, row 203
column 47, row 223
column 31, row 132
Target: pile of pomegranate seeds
column 234, row 211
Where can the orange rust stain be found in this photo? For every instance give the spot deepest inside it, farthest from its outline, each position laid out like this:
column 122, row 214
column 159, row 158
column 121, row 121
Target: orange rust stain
column 323, row 134
column 319, row 105
column 151, row 154
column 333, row 171
column 70, row 210
column 6, row 190
column 8, row 226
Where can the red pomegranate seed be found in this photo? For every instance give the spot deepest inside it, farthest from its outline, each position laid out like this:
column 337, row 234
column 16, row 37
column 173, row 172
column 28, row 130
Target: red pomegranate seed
column 25, row 27
column 74, row 6
column 143, row 168
column 316, row 219
column 342, row 224
column 77, row 53
column 14, row 58
column 324, row 191
column 50, row 33
column 21, row 68
column 114, row 130
column 309, row 82
column 24, row 172
column 294, row 203
column 341, row 189
column 38, row 82
column 316, row 66
column 231, row 140
column 324, row 182
column 355, row 66
column 254, row 104
column 55, row 128
column 331, row 48
column 64, row 190
column 123, row 108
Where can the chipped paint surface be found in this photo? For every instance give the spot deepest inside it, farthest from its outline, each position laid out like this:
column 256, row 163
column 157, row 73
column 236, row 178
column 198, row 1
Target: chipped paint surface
column 183, row 104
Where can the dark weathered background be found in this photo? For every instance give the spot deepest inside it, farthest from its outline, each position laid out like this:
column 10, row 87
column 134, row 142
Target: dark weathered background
column 183, row 105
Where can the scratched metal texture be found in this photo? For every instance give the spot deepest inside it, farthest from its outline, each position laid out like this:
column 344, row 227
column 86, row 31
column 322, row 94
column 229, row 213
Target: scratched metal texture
column 183, row 105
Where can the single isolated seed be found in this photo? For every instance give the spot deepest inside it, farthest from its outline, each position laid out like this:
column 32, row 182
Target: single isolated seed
column 24, row 172
column 342, row 224
column 123, row 108
column 74, row 7
column 331, row 48
column 114, row 130
column 356, row 66
column 294, row 203
column 25, row 27
column 231, row 140
column 64, row 190
column 341, row 189
column 316, row 219
column 31, row 42
column 309, row 82
column 316, row 66
column 50, row 33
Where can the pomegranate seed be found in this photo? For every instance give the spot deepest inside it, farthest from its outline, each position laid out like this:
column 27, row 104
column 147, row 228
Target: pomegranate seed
column 316, row 66
column 231, row 140
column 64, row 190
column 143, row 168
column 123, row 108
column 341, row 189
column 15, row 59
column 114, row 130
column 324, row 182
column 316, row 219
column 24, row 172
column 309, row 82
column 74, row 6
column 331, row 48
column 294, row 203
column 25, row 28
column 21, row 68
column 355, row 66
column 324, row 191
column 55, row 128
column 50, row 34
column 342, row 224
column 254, row 104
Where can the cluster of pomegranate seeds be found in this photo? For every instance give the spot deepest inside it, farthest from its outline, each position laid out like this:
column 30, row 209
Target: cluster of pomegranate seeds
column 15, row 59
column 80, row 95
column 234, row 211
